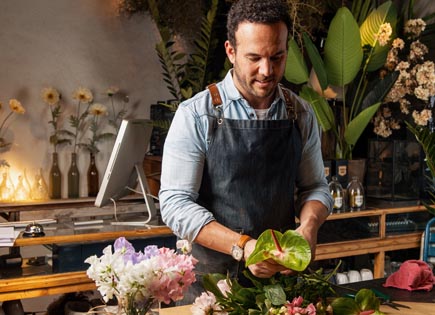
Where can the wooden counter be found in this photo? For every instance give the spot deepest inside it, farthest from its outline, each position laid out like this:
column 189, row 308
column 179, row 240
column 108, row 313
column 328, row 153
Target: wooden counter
column 415, row 309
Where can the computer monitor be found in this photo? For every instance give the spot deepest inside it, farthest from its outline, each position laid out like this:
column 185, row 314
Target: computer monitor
column 125, row 168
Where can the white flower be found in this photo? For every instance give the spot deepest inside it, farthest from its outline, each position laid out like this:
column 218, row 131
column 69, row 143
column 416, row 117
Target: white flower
column 423, row 117
column 184, row 245
column 223, row 286
column 384, row 33
column 205, row 304
column 414, row 27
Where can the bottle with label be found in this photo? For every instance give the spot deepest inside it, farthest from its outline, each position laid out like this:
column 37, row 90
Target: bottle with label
column 337, row 194
column 356, row 197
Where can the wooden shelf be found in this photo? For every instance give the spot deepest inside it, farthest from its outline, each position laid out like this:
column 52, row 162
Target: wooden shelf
column 95, row 236
column 35, row 286
column 377, row 245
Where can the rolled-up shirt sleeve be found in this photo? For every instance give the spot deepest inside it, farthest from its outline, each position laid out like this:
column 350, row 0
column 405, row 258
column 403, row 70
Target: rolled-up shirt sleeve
column 182, row 168
column 311, row 180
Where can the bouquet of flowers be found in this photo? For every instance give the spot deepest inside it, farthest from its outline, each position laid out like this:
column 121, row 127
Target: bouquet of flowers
column 138, row 279
column 303, row 293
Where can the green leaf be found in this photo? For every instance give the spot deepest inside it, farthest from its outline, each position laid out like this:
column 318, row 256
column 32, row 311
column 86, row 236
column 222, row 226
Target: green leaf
column 345, row 306
column 367, row 300
column 343, row 52
column 381, row 89
column 385, row 13
column 324, row 113
column 290, row 250
column 359, row 123
column 210, row 283
column 316, row 61
column 275, row 294
column 296, row 70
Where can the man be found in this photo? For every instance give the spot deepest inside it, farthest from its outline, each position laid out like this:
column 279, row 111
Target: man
column 237, row 152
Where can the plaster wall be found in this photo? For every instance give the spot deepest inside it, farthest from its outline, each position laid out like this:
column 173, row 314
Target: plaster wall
column 68, row 44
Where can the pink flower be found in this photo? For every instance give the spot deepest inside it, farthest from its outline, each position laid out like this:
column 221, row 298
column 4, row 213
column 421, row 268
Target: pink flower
column 295, row 307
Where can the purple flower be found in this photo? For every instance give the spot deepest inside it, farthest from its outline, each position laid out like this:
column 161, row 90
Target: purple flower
column 121, row 244
column 151, row 251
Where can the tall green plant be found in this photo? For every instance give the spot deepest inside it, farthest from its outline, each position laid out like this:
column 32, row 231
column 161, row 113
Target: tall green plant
column 186, row 75
column 351, row 54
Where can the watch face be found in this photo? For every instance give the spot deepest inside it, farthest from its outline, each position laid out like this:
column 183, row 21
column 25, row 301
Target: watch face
column 237, row 253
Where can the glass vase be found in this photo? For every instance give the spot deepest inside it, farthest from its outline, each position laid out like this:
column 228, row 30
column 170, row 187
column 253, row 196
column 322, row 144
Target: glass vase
column 55, row 179
column 73, row 178
column 93, row 177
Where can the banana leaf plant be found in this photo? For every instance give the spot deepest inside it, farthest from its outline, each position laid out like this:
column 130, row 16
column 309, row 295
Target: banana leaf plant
column 351, row 56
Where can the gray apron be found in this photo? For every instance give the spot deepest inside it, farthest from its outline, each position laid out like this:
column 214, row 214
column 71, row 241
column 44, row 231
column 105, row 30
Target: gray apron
column 248, row 184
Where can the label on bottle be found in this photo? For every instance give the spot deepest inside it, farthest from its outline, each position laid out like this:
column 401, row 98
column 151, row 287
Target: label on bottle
column 338, row 202
column 359, row 200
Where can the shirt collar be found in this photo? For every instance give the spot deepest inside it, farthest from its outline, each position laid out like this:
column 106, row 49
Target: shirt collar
column 233, row 93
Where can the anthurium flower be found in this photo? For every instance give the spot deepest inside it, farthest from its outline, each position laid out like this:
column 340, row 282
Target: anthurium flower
column 289, row 249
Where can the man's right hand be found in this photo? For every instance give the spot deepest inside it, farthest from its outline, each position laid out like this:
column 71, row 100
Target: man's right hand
column 266, row 268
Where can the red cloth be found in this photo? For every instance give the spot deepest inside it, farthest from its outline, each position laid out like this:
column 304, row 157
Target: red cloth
column 412, row 275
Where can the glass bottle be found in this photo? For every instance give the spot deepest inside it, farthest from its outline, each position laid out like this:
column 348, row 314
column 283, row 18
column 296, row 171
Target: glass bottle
column 21, row 193
column 6, row 187
column 73, row 178
column 93, row 178
column 337, row 194
column 55, row 179
column 355, row 192
column 39, row 190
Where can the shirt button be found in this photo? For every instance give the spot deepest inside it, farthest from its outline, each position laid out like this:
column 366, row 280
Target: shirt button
column 251, row 115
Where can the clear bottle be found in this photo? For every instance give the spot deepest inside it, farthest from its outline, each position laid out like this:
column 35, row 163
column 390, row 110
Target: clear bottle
column 337, row 194
column 356, row 197
column 6, row 187
column 21, row 193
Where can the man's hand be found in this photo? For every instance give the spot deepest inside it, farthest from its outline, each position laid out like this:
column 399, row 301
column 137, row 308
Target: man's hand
column 265, row 268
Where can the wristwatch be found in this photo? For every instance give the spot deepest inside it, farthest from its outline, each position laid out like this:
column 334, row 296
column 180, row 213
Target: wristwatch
column 237, row 250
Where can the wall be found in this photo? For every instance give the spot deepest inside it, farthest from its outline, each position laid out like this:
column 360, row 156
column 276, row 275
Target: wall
column 67, row 44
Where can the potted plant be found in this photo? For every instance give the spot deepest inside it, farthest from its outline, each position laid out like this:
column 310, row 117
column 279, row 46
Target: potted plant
column 346, row 72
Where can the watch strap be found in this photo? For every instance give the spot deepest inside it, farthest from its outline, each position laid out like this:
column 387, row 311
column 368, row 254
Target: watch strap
column 243, row 240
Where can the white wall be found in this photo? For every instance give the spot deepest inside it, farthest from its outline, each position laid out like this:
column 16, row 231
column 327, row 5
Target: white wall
column 67, row 44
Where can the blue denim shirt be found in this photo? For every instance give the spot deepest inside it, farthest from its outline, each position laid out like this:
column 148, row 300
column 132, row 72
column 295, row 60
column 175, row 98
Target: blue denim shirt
column 186, row 148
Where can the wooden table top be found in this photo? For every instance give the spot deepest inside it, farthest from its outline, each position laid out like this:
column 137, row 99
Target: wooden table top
column 416, row 308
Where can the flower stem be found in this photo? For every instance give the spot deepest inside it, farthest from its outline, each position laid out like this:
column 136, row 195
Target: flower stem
column 4, row 121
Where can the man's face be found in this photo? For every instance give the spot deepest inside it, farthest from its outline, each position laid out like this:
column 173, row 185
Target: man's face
column 259, row 60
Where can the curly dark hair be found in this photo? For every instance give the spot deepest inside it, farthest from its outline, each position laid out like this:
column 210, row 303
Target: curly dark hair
column 256, row 11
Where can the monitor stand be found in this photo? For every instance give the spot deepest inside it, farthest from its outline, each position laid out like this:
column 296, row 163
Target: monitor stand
column 149, row 202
